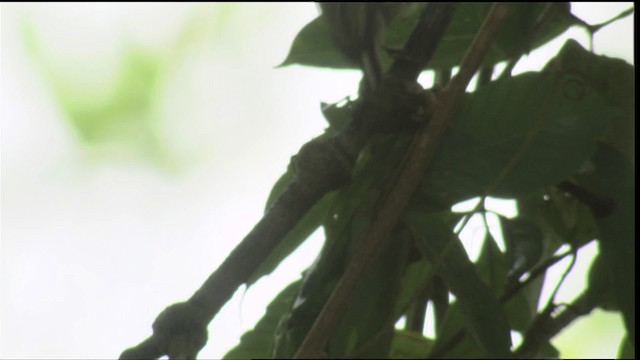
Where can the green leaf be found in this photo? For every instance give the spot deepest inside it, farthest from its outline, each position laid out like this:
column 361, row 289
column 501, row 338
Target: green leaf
column 484, row 317
column 409, row 345
column 516, row 35
column 313, row 46
column 370, row 315
column 600, row 290
column 491, row 265
column 259, row 342
column 492, row 269
column 465, row 348
column 412, row 283
column 614, row 81
column 521, row 309
column 548, row 351
column 627, row 349
column 611, row 175
column 516, row 135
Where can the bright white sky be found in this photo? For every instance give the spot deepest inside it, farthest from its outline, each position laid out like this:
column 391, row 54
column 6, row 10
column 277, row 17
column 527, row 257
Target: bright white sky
column 92, row 251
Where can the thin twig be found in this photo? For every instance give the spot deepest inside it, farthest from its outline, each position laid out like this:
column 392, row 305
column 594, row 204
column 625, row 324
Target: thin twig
column 541, row 329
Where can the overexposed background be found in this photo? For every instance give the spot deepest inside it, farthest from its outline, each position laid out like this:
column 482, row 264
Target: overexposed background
column 139, row 144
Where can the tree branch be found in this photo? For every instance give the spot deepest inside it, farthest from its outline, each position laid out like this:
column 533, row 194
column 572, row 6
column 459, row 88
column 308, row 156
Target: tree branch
column 321, row 166
column 410, row 173
column 551, row 322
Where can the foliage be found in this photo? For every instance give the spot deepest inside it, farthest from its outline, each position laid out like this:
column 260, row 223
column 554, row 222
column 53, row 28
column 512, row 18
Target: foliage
column 558, row 141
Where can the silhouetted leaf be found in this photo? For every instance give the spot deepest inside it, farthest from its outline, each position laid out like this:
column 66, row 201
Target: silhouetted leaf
column 492, row 269
column 516, row 135
column 259, row 342
column 451, row 343
column 611, row 175
column 484, row 317
column 627, row 349
column 614, row 80
column 600, row 280
column 409, row 345
column 413, row 281
column 313, row 45
column 516, row 35
column 548, row 351
column 366, row 328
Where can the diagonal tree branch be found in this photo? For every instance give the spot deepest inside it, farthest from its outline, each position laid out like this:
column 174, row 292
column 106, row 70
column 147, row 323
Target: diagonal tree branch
column 551, row 322
column 321, row 166
column 410, row 174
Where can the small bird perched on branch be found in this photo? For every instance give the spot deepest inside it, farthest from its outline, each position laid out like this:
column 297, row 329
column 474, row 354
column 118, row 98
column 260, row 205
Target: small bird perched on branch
column 358, row 29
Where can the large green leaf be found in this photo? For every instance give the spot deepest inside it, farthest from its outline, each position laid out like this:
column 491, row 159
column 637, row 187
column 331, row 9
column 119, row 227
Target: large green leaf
column 516, row 35
column 548, row 351
column 614, row 80
column 413, row 282
column 484, row 317
column 313, row 45
column 611, row 175
column 600, row 291
column 491, row 265
column 409, row 345
column 259, row 342
column 449, row 344
column 365, row 329
column 493, row 270
column 516, row 135
column 627, row 349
